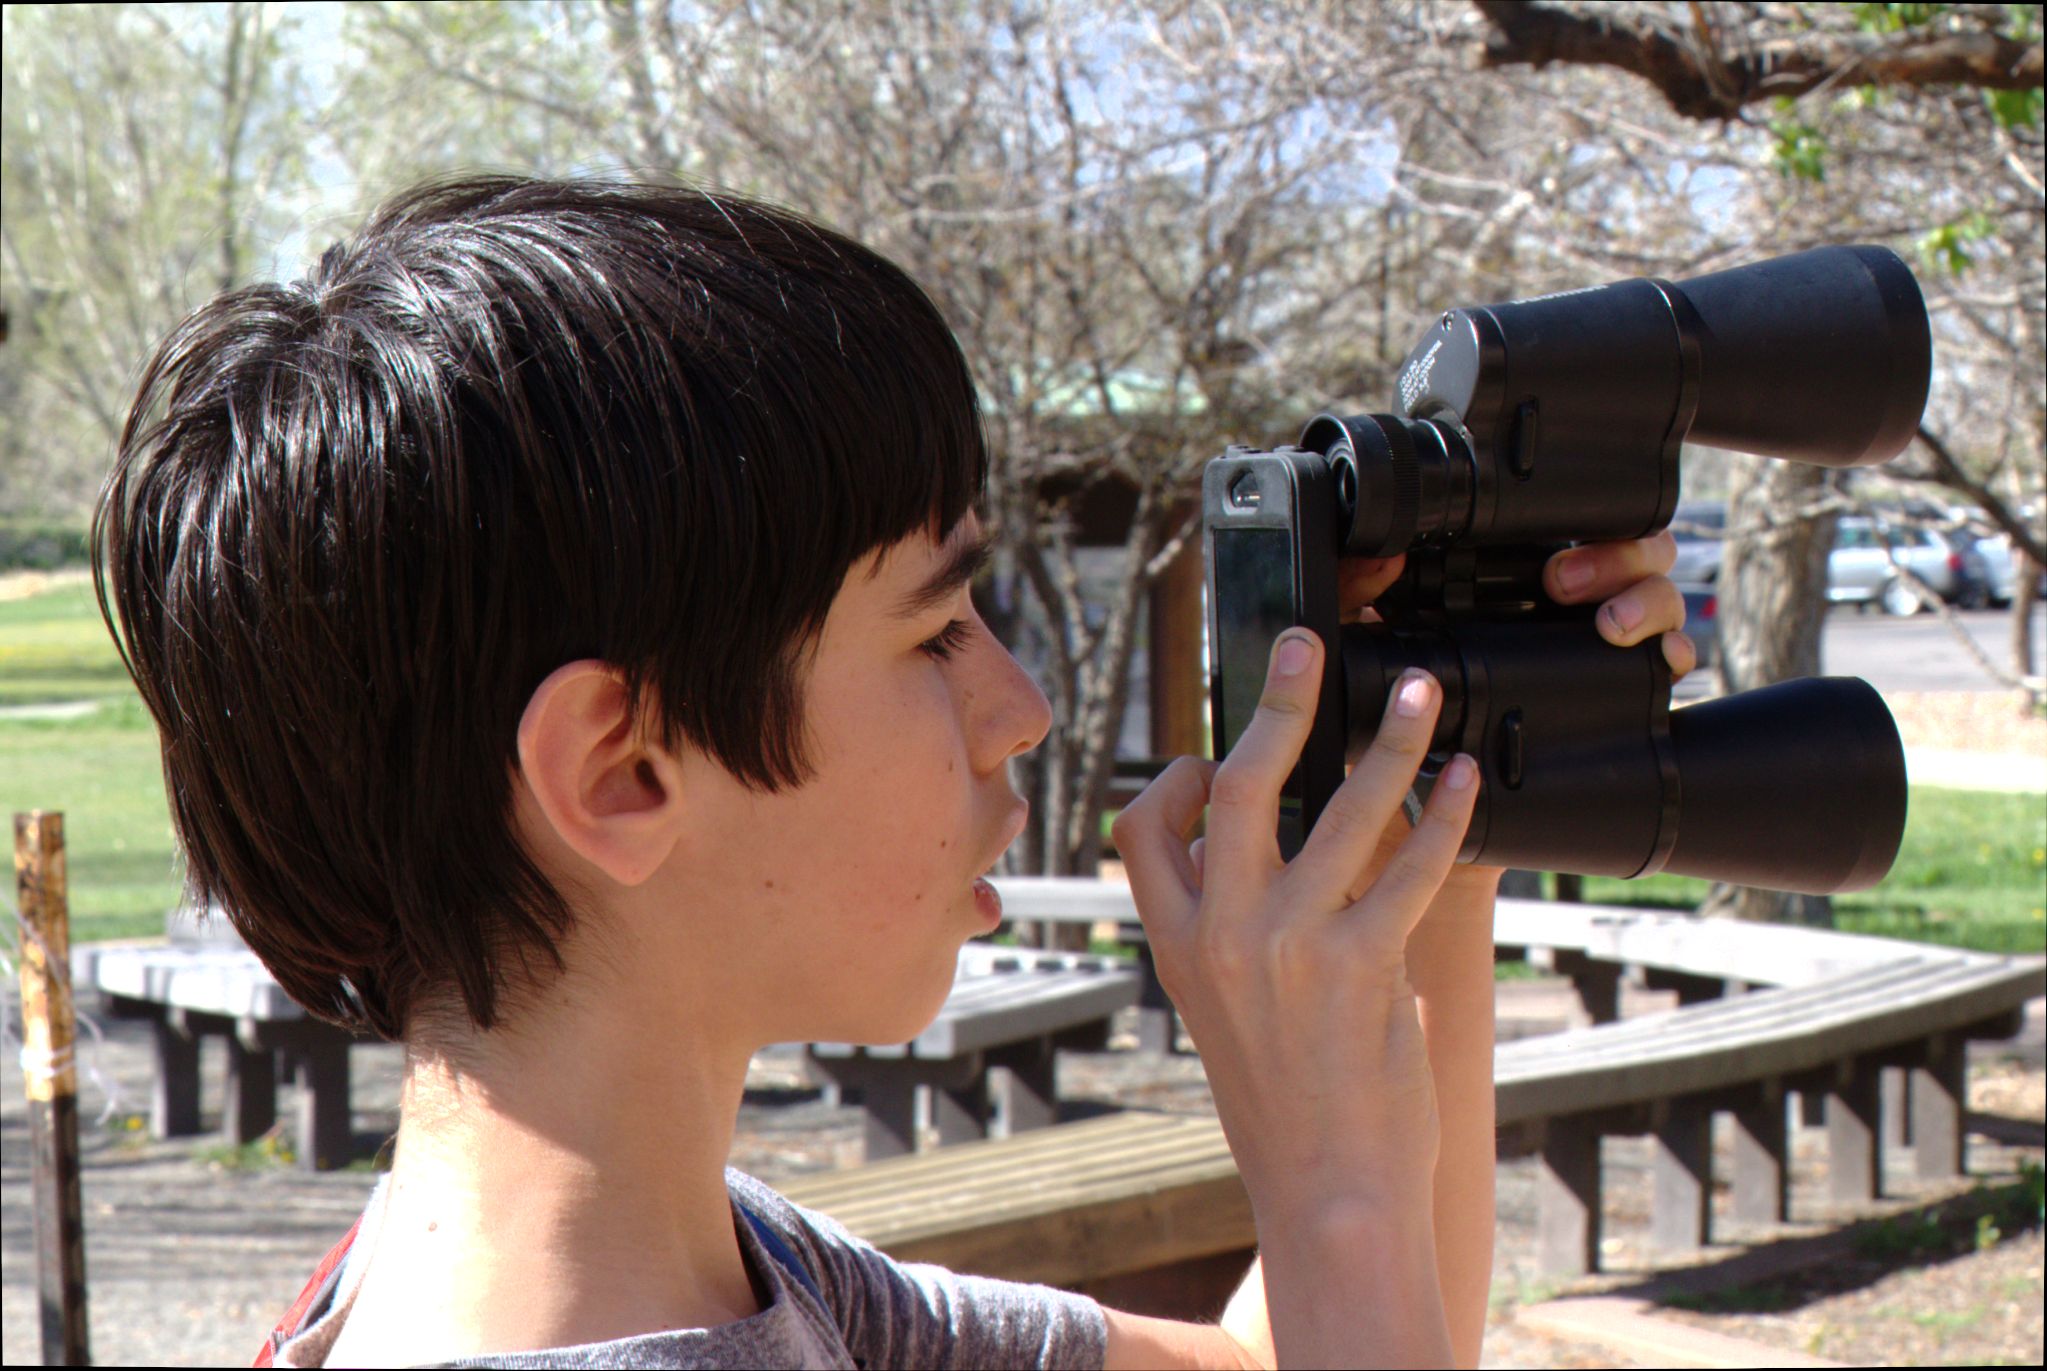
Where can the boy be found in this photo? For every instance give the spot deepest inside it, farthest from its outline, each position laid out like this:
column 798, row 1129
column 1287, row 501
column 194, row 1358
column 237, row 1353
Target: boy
column 556, row 610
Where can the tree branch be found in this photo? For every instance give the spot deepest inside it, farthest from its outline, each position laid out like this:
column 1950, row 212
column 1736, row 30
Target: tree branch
column 1948, row 472
column 1701, row 83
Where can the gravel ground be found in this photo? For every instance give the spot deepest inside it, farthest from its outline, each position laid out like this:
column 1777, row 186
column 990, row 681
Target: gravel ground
column 191, row 1260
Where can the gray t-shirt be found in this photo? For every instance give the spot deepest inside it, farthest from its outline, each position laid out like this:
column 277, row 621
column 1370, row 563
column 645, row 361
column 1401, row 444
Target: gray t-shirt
column 877, row 1312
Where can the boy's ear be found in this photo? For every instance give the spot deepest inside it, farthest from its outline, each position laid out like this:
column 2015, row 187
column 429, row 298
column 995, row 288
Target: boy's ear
column 610, row 796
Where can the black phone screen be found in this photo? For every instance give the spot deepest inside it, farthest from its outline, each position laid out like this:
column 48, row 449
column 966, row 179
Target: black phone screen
column 1255, row 604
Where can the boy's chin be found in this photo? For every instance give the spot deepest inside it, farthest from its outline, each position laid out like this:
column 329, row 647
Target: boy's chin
column 882, row 1019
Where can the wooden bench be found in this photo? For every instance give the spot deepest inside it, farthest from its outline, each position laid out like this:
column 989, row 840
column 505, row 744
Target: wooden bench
column 1087, row 901
column 1888, row 1039
column 188, row 992
column 1864, row 1030
column 986, row 1065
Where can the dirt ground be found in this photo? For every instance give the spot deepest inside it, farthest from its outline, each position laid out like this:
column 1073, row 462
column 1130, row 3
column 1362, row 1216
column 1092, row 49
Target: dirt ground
column 1969, row 721
column 190, row 1259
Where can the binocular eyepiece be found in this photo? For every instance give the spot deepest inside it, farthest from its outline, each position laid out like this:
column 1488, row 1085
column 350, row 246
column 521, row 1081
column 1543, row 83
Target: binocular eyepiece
column 1525, row 427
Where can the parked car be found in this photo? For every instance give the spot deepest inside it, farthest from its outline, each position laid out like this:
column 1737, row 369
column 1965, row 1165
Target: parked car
column 2001, row 569
column 1859, row 572
column 1972, row 585
column 1700, row 527
column 1702, row 624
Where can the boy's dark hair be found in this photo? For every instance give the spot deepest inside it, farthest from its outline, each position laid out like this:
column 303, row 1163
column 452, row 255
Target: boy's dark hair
column 510, row 424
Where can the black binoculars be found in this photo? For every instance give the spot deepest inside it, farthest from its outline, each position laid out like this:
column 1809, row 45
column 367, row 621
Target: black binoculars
column 1524, row 428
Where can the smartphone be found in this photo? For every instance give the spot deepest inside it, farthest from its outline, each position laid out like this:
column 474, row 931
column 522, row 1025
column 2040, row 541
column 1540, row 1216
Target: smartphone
column 1270, row 530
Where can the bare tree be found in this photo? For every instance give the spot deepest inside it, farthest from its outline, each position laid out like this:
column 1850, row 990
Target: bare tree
column 152, row 153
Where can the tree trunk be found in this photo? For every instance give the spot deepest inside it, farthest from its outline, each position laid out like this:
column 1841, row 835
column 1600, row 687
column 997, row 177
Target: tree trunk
column 2025, row 582
column 1772, row 590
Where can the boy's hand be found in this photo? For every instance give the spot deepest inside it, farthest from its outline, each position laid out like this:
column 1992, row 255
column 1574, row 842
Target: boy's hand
column 1291, row 977
column 1629, row 576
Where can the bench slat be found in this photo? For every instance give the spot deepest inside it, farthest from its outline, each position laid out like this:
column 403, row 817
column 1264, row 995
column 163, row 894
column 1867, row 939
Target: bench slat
column 1020, row 1011
column 1767, row 1016
column 1069, row 1227
column 1058, row 1154
column 1559, row 1083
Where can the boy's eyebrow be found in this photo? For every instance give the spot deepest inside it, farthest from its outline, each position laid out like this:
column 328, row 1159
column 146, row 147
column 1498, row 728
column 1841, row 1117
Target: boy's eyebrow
column 958, row 569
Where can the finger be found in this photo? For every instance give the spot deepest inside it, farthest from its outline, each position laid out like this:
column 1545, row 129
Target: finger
column 1597, row 571
column 1243, row 798
column 1329, row 871
column 1361, row 580
column 1151, row 836
column 1398, row 899
column 1641, row 611
column 1682, row 654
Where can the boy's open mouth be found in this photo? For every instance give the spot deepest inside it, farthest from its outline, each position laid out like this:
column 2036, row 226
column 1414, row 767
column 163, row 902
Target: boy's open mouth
column 1018, row 817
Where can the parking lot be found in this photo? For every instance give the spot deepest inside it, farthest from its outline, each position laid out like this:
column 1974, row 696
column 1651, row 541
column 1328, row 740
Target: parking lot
column 1918, row 653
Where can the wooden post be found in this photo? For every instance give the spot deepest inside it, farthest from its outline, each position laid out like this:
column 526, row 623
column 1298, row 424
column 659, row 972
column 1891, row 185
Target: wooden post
column 47, row 1032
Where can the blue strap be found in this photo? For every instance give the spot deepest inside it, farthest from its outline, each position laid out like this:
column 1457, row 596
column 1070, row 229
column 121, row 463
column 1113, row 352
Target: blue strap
column 779, row 1250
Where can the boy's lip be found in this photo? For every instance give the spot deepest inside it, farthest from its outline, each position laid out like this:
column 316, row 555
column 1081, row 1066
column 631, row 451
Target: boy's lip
column 1018, row 817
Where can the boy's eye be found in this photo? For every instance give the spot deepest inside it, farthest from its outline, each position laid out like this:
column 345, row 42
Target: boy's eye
column 947, row 641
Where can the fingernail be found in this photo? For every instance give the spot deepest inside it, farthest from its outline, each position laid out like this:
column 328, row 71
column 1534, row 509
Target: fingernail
column 1294, row 653
column 1574, row 573
column 1460, row 773
column 1625, row 614
column 1412, row 697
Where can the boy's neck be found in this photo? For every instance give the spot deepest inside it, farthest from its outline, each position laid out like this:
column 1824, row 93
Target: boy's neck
column 553, row 1194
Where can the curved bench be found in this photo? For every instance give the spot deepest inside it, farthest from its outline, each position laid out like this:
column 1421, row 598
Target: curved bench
column 1858, row 1028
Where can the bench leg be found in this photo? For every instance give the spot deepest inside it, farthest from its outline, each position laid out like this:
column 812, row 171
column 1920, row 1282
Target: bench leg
column 1895, row 1098
column 174, row 1103
column 1158, row 1023
column 1940, row 1092
column 1761, row 1178
column 890, row 1105
column 250, row 1109
column 1683, row 1164
column 324, row 1124
column 1156, row 1031
column 1854, row 1141
column 1567, row 1198
column 1022, row 1088
column 960, row 1113
column 1598, row 983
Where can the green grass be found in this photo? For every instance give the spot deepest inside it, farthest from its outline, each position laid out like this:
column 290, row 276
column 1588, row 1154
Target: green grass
column 103, row 772
column 54, row 647
column 1972, row 871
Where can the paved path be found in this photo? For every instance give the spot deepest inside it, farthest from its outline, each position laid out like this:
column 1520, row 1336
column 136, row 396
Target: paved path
column 1949, row 769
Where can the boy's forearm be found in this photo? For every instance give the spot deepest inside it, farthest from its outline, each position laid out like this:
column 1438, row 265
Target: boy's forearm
column 1450, row 966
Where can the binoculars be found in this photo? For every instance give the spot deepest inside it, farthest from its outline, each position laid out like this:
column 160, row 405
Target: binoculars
column 1524, row 428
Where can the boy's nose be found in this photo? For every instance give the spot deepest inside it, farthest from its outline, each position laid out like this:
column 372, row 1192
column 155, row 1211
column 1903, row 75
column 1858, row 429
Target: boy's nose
column 1020, row 716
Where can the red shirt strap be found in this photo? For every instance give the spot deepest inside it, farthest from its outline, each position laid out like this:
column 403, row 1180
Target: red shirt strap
column 289, row 1327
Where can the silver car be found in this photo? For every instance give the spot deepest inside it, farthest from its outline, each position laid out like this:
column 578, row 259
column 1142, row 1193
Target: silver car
column 1859, row 572
column 1700, row 528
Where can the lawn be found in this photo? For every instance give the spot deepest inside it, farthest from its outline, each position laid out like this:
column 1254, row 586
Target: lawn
column 1972, row 871
column 54, row 647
